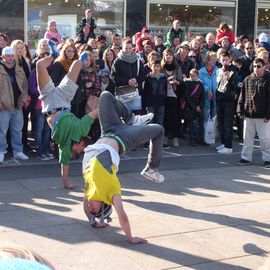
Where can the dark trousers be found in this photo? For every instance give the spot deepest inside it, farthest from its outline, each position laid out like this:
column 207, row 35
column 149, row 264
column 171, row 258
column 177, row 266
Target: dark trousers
column 172, row 117
column 225, row 112
column 196, row 130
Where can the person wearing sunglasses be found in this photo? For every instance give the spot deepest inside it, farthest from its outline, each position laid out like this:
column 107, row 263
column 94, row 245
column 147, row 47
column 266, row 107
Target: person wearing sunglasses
column 248, row 58
column 254, row 106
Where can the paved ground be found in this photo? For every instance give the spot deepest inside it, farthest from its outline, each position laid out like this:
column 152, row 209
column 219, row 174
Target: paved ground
column 209, row 214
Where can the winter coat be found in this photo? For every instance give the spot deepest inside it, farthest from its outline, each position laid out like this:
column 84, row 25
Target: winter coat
column 6, row 90
column 58, row 72
column 171, row 34
column 209, row 83
column 93, row 25
column 197, row 99
column 139, row 44
column 123, row 71
column 226, row 89
column 187, row 65
column 155, row 91
column 254, row 100
column 247, row 62
column 264, row 45
column 228, row 34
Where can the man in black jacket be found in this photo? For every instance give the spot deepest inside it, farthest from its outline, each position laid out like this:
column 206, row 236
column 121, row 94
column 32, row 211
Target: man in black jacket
column 226, row 95
column 248, row 58
column 254, row 105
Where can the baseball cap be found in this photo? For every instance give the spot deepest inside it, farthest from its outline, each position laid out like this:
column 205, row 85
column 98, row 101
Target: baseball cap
column 103, row 73
column 8, row 51
column 184, row 44
column 104, row 213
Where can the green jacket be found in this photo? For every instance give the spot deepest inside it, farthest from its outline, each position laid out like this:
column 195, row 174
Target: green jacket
column 70, row 129
column 171, row 34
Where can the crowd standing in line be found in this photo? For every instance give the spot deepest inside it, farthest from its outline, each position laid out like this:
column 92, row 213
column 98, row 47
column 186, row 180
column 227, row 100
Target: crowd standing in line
column 183, row 83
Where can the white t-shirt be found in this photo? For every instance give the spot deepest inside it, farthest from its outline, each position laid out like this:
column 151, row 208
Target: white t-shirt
column 94, row 149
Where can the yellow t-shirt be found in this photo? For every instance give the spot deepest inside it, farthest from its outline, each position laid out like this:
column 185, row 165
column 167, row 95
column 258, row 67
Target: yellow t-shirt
column 100, row 184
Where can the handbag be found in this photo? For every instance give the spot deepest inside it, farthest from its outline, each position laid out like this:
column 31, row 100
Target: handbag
column 128, row 93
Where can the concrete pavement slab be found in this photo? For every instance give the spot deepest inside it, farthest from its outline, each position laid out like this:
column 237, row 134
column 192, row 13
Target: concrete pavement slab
column 245, row 262
column 236, row 241
column 73, row 246
column 170, row 251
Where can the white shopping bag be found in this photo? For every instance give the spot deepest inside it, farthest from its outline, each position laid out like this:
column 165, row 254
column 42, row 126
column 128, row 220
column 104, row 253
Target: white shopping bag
column 210, row 130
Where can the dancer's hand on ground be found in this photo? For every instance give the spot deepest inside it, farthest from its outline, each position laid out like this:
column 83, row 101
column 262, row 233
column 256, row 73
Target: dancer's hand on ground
column 137, row 240
column 101, row 225
column 70, row 186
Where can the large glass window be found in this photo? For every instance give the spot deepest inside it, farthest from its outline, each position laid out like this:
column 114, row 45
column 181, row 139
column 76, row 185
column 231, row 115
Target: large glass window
column 195, row 19
column 68, row 14
column 11, row 19
column 263, row 23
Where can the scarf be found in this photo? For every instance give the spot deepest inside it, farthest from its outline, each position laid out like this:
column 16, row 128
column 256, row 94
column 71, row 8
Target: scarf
column 169, row 67
column 127, row 58
column 87, row 69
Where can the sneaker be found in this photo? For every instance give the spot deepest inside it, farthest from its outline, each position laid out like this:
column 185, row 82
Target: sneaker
column 166, row 146
column 221, row 146
column 175, row 142
column 43, row 157
column 141, row 120
column 50, row 156
column 2, row 156
column 243, row 162
column 20, row 155
column 266, row 164
column 225, row 150
column 152, row 175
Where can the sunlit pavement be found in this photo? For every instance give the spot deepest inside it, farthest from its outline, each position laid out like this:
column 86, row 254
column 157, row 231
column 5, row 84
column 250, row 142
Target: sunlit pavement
column 208, row 214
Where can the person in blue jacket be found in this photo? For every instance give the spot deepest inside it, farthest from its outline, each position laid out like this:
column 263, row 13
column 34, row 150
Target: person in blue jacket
column 208, row 76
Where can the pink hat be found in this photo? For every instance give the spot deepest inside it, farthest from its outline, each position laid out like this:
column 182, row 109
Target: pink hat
column 51, row 22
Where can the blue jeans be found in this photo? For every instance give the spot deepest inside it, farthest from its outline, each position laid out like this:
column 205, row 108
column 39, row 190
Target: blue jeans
column 158, row 112
column 110, row 111
column 14, row 121
column 42, row 133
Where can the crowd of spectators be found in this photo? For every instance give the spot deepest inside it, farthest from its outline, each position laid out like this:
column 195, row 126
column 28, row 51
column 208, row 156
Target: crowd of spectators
column 183, row 83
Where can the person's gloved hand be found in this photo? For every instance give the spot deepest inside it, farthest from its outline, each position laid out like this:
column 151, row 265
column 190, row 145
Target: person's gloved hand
column 83, row 56
column 54, row 52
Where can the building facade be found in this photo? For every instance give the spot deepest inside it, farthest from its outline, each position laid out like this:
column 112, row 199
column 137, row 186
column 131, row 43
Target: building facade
column 27, row 19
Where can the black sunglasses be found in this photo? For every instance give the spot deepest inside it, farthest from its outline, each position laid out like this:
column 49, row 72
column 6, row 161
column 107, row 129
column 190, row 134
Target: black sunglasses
column 192, row 56
column 257, row 66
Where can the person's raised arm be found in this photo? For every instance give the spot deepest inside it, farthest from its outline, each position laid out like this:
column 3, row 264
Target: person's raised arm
column 124, row 222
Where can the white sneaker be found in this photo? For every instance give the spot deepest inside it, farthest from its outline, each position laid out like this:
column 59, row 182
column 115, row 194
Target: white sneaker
column 221, row 146
column 141, row 120
column 20, row 155
column 225, row 151
column 175, row 142
column 2, row 156
column 152, row 175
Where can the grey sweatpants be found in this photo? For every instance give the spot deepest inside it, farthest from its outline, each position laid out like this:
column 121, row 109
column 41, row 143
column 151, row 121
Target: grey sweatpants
column 113, row 115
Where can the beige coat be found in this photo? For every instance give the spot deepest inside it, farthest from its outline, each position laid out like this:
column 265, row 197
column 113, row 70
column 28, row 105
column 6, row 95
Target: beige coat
column 6, row 90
